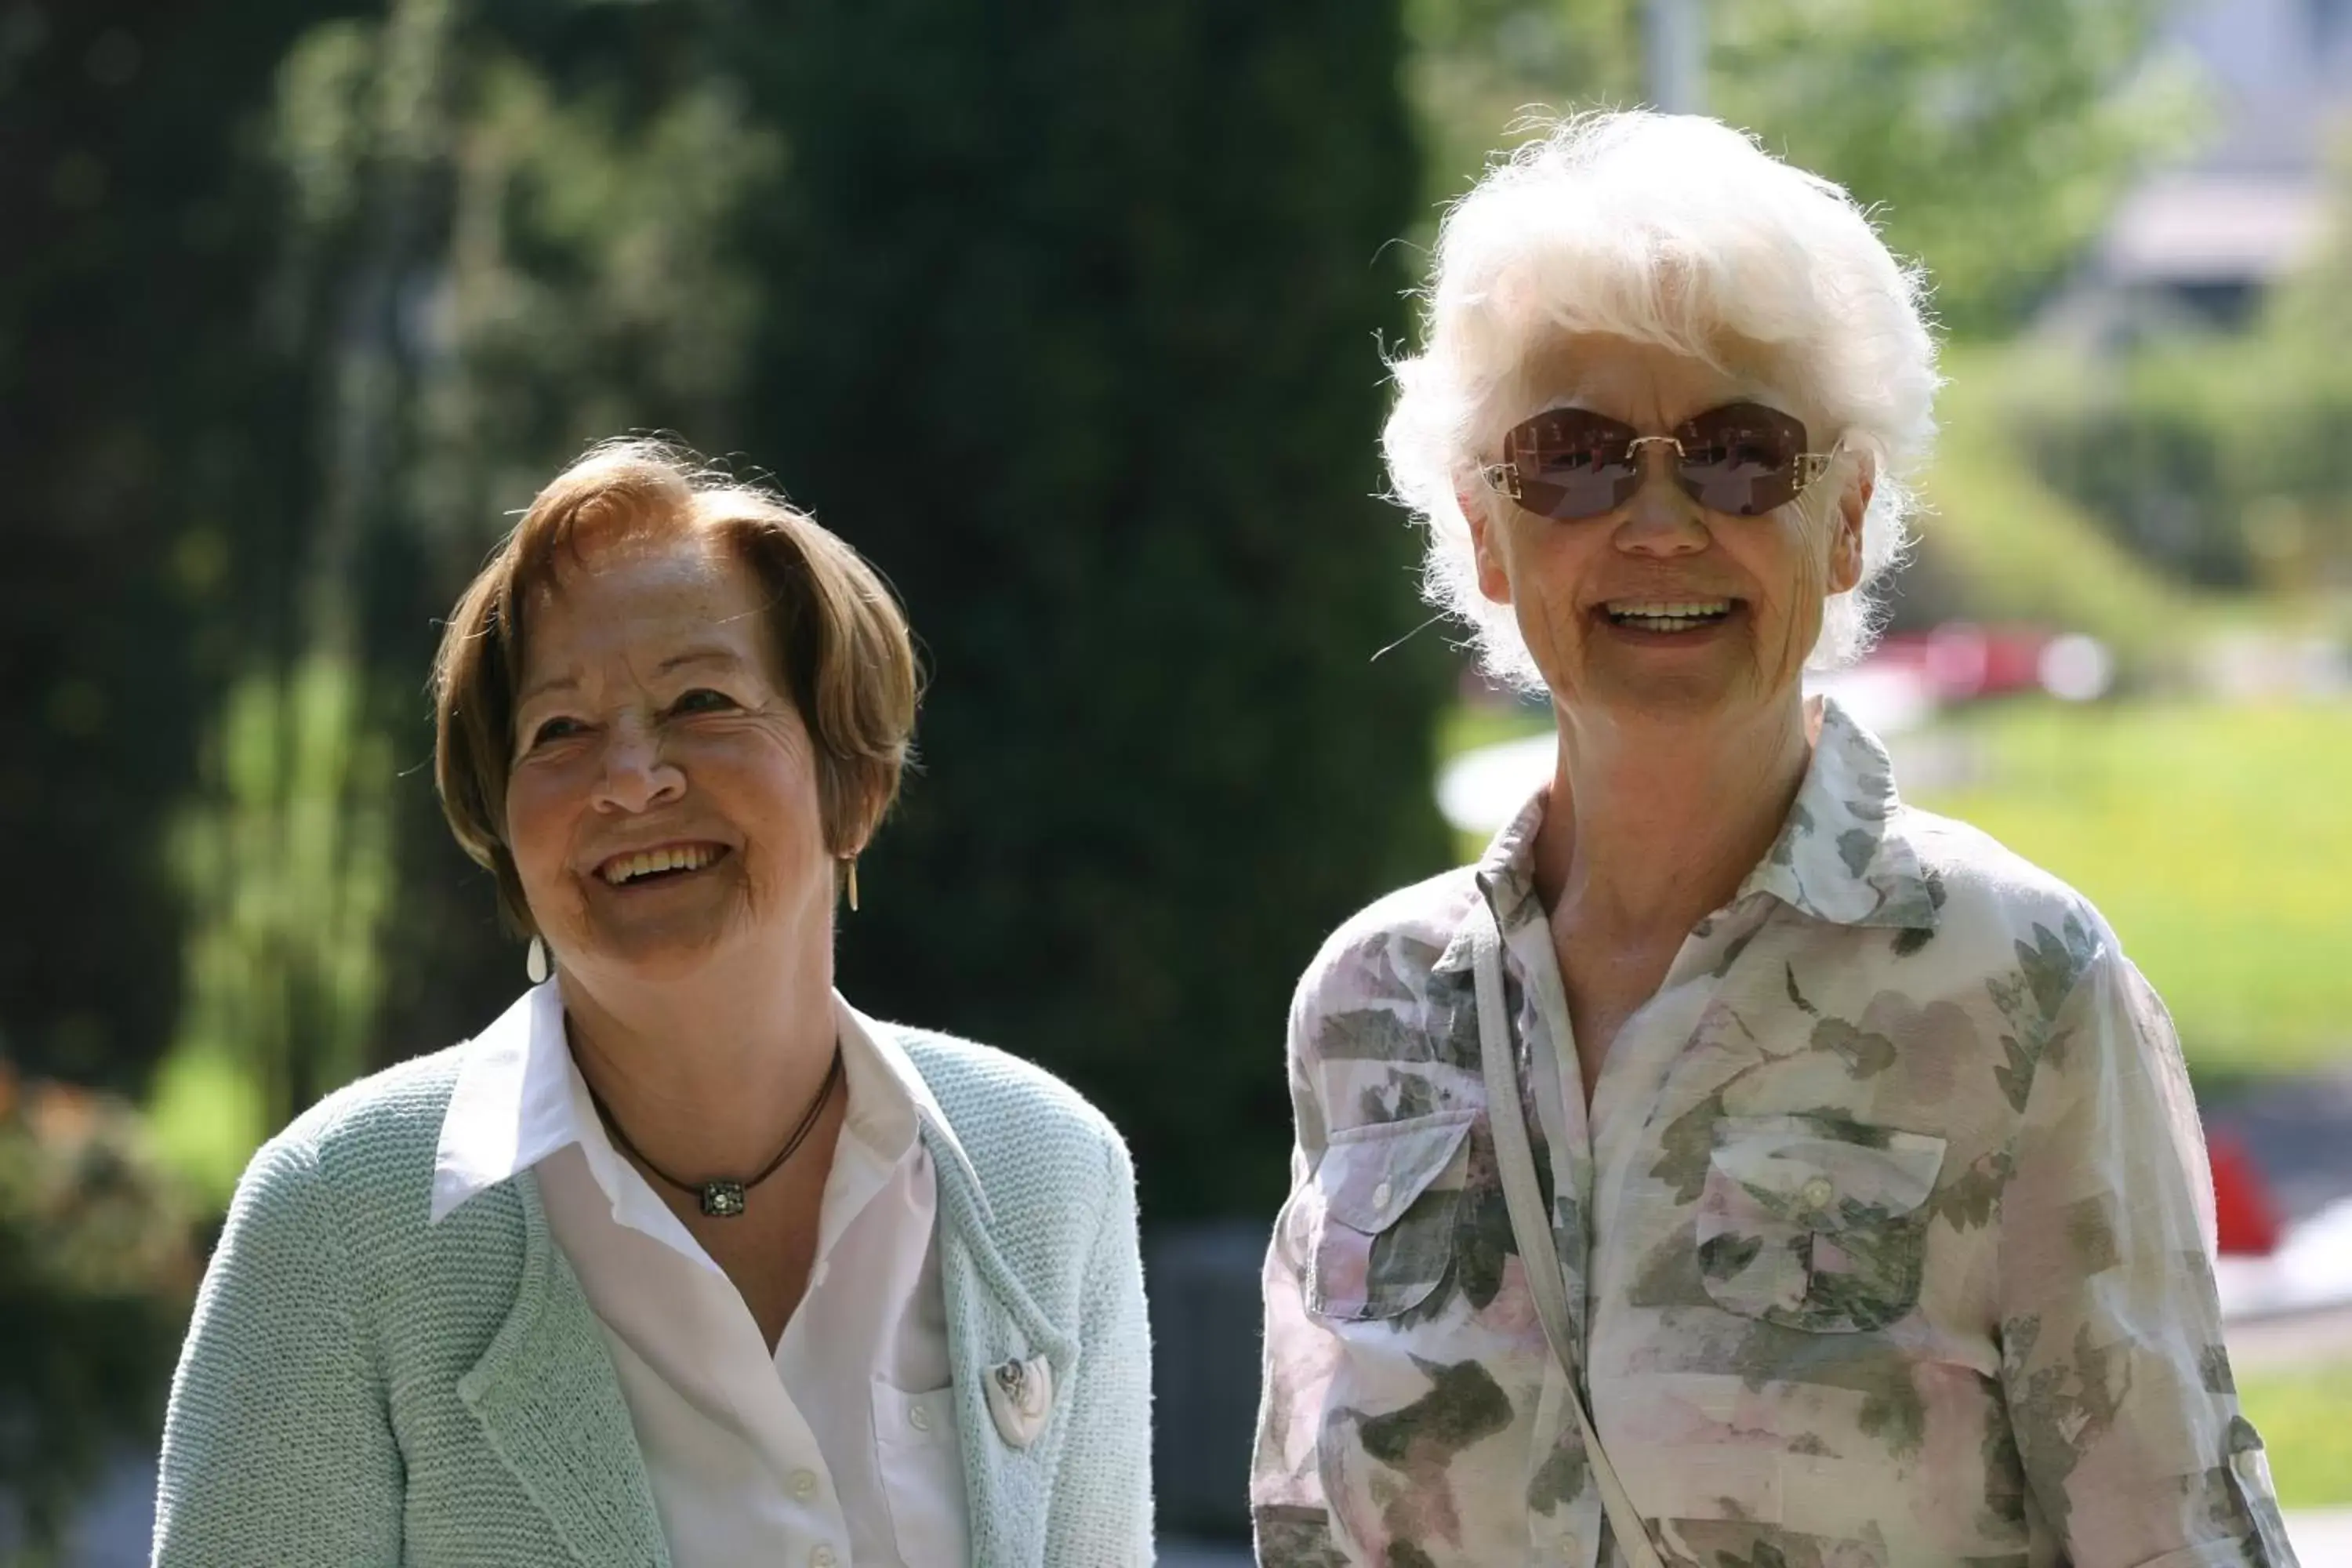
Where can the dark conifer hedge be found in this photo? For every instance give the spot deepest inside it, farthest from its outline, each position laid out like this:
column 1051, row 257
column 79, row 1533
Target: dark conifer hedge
column 1080, row 347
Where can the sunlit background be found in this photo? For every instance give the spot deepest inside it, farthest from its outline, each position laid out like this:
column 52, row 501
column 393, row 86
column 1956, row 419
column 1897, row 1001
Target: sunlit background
column 1069, row 315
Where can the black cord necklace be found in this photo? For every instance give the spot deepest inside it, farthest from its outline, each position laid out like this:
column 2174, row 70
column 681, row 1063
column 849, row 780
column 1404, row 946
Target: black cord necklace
column 721, row 1197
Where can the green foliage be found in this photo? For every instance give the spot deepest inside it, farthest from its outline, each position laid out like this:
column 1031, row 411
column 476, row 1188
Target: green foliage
column 1088, row 366
column 2215, row 458
column 1990, row 138
column 502, row 234
column 1999, row 543
column 2214, row 840
column 2300, row 1415
column 144, row 438
column 96, row 1276
column 285, row 863
column 1125, row 278
column 2220, row 458
column 206, row 1116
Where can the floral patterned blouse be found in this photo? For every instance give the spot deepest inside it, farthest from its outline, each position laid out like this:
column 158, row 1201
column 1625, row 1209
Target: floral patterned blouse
column 1889, row 1231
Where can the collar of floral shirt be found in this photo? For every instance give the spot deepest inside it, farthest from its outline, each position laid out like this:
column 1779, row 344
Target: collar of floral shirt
column 1841, row 856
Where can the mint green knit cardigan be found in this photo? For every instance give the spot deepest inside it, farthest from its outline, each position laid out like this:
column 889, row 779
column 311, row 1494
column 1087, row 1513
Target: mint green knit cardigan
column 359, row 1387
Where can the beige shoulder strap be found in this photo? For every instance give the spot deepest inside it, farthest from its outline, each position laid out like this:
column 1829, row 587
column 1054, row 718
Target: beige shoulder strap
column 1532, row 1227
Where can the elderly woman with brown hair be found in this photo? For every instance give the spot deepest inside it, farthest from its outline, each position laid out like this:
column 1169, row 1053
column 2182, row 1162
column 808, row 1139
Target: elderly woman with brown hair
column 684, row 1259
column 1737, row 1166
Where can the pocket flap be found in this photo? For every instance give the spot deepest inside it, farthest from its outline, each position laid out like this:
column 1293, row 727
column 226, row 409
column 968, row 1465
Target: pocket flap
column 1370, row 1175
column 1824, row 1172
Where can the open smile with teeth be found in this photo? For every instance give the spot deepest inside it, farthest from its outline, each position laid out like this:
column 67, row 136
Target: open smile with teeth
column 1666, row 615
column 666, row 862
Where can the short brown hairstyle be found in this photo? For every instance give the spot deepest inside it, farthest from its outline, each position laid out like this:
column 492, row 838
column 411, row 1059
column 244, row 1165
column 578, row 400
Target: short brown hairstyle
column 847, row 660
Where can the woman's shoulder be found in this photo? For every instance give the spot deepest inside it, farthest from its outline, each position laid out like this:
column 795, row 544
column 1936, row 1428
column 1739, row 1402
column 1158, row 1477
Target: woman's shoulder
column 1393, row 942
column 984, row 1090
column 1979, row 882
column 2001, row 921
column 372, row 1140
column 401, row 1106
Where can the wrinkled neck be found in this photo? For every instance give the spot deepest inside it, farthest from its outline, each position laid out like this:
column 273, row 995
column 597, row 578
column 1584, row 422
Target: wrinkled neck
column 1650, row 826
column 708, row 1071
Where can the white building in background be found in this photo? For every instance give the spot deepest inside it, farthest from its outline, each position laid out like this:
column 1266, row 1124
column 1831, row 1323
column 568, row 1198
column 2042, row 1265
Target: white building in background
column 2203, row 239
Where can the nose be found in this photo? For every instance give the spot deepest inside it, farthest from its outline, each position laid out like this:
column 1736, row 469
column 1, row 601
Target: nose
column 636, row 776
column 1662, row 520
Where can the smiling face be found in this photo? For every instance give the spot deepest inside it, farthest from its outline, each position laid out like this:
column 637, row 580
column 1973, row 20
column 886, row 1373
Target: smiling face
column 663, row 802
column 1662, row 607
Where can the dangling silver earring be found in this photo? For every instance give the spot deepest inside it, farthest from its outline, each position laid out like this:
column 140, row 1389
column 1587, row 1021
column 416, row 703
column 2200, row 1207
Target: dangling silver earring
column 534, row 963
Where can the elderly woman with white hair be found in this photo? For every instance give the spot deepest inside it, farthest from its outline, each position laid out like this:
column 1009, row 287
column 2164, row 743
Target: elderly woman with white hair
column 1736, row 1166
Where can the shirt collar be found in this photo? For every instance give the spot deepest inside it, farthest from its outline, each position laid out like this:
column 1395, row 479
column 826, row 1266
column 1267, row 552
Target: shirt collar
column 518, row 1099
column 511, row 1105
column 1840, row 855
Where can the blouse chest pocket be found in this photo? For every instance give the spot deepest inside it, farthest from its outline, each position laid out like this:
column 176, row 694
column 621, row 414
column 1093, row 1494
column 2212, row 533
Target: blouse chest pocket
column 1388, row 1196
column 1816, row 1223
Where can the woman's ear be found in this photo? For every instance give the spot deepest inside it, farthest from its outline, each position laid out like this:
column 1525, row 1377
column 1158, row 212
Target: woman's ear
column 1493, row 576
column 1845, row 542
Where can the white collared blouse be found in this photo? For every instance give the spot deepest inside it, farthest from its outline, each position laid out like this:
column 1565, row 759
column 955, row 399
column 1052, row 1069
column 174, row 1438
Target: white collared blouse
column 841, row 1447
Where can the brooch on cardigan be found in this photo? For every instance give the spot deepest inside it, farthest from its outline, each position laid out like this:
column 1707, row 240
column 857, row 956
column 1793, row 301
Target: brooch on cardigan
column 1020, row 1396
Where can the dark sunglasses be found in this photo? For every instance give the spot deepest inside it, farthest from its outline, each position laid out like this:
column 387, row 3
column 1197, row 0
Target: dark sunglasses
column 1570, row 463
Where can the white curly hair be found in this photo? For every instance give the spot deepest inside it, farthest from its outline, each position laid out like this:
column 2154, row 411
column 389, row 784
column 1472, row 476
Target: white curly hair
column 1674, row 230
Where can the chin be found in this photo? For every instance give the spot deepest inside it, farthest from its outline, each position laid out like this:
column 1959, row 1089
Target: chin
column 1665, row 694
column 653, row 958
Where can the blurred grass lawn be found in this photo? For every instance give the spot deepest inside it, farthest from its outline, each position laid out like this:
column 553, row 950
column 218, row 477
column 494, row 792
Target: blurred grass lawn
column 2301, row 1418
column 2216, row 839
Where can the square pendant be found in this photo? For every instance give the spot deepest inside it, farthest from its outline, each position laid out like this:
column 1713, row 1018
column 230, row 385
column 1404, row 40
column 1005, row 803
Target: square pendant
column 722, row 1200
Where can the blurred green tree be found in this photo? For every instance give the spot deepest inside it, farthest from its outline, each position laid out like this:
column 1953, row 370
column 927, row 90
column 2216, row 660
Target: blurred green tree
column 144, row 437
column 499, row 233
column 1082, row 352
column 1126, row 275
column 1990, row 138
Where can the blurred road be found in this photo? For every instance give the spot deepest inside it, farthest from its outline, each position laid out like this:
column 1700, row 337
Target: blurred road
column 2322, row 1537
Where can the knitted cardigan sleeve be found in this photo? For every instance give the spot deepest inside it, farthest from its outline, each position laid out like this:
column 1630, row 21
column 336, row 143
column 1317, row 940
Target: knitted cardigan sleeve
column 1102, row 1501
column 278, row 1447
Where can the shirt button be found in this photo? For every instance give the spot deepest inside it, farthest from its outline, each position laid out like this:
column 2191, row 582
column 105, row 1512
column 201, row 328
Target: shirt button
column 2248, row 1463
column 920, row 1418
column 804, row 1484
column 1380, row 1195
column 823, row 1557
column 1818, row 1192
column 817, row 1274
